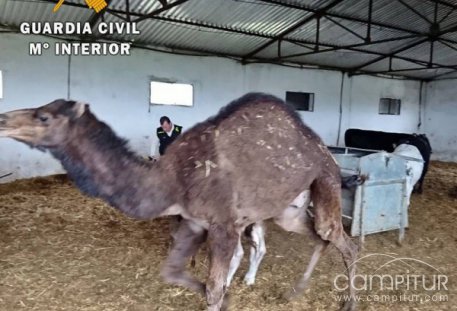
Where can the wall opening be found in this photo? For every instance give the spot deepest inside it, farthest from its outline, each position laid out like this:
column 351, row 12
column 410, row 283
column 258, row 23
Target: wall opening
column 300, row 100
column 175, row 94
column 390, row 106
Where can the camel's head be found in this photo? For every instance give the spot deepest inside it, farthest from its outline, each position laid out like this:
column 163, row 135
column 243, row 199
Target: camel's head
column 45, row 126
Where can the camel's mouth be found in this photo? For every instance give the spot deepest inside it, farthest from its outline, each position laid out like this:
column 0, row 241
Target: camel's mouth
column 15, row 124
column 3, row 125
column 5, row 128
column 26, row 126
column 3, row 119
column 10, row 132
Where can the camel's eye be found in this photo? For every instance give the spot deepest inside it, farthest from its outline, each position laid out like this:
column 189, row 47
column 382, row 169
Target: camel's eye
column 43, row 118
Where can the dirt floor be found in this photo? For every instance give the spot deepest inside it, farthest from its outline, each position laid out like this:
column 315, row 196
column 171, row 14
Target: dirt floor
column 60, row 250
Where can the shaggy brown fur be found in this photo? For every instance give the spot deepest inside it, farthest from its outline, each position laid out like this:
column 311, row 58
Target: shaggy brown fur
column 244, row 165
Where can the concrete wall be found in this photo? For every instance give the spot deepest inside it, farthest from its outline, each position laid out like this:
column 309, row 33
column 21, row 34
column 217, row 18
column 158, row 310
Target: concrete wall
column 440, row 119
column 117, row 89
column 361, row 104
column 27, row 82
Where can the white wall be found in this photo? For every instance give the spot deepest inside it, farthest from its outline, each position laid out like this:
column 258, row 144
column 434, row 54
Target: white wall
column 361, row 104
column 440, row 116
column 27, row 82
column 117, row 87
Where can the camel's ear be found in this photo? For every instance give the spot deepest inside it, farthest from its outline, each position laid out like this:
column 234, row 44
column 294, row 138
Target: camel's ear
column 79, row 108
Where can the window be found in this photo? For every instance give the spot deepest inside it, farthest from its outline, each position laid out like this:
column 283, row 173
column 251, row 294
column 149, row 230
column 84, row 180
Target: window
column 389, row 106
column 301, row 101
column 166, row 93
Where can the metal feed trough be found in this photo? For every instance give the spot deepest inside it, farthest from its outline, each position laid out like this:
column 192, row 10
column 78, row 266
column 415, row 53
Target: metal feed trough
column 380, row 203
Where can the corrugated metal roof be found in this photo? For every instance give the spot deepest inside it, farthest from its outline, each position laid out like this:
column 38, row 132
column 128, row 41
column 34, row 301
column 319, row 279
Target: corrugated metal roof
column 15, row 12
column 451, row 75
column 332, row 33
column 396, row 64
column 427, row 73
column 443, row 54
column 390, row 12
column 449, row 19
column 419, row 52
column 246, row 15
column 171, row 35
column 341, row 59
column 239, row 27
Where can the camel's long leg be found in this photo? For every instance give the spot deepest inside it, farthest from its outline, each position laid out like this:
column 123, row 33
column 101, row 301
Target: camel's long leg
column 222, row 242
column 256, row 236
column 326, row 196
column 302, row 283
column 174, row 223
column 258, row 250
column 349, row 251
column 235, row 262
column 187, row 240
column 296, row 219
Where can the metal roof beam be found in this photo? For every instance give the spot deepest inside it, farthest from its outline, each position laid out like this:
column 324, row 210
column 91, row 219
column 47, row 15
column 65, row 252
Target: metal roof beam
column 349, row 47
column 395, row 70
column 443, row 41
column 345, row 28
column 414, row 61
column 447, row 15
column 445, row 74
column 391, row 54
column 415, row 11
column 435, row 13
column 127, row 10
column 203, row 25
column 303, row 45
column 165, row 7
column 118, row 16
column 132, row 13
column 301, row 42
column 407, row 47
column 354, row 49
column 306, row 20
column 370, row 15
column 357, row 19
column 432, row 48
column 203, row 52
column 342, row 16
column 445, row 3
column 249, row 33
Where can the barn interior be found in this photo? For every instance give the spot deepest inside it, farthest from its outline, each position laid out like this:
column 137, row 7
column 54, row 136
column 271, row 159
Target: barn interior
column 379, row 65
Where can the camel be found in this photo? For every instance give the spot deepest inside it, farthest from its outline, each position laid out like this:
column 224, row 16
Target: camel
column 245, row 164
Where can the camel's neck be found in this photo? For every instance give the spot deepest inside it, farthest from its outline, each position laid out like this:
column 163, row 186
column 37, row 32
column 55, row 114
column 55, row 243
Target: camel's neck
column 101, row 165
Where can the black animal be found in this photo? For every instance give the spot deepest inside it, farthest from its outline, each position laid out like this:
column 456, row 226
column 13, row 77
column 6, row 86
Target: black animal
column 377, row 140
